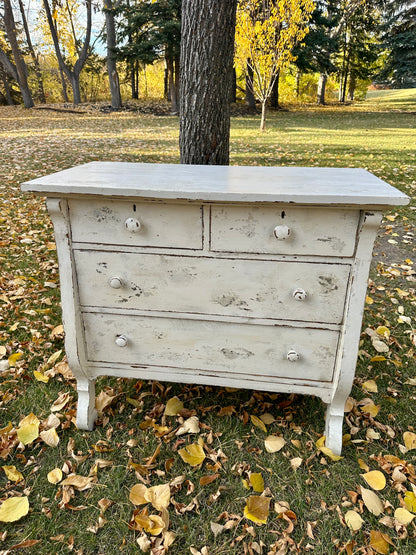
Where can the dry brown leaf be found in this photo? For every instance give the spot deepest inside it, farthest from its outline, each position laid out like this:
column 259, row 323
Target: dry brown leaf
column 80, row 483
column 190, row 426
column 257, row 509
column 372, row 501
column 60, row 402
column 380, row 542
column 50, row 437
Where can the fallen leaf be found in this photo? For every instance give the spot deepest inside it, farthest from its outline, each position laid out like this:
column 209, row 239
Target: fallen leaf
column 28, row 429
column 205, row 480
column 257, row 422
column 267, row 418
column 173, row 406
column 60, row 402
column 103, row 400
column 40, row 377
column 296, row 462
column 216, row 528
column 370, row 386
column 192, row 454
column 80, row 483
column 326, row 450
column 12, row 473
column 375, row 479
column 257, row 482
column 257, row 509
column 50, row 437
column 372, row 501
column 190, row 426
column 158, row 496
column 370, row 409
column 410, row 501
column 55, row 476
column 274, row 443
column 14, row 509
column 353, row 520
column 137, row 494
column 380, row 542
column 403, row 516
column 13, row 359
column 409, row 439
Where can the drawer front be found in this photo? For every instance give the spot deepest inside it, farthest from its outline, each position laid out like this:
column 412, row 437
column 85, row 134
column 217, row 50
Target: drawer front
column 243, row 349
column 299, row 231
column 115, row 223
column 252, row 288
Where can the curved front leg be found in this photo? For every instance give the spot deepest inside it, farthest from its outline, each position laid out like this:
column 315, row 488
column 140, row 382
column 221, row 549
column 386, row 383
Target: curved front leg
column 86, row 412
column 333, row 427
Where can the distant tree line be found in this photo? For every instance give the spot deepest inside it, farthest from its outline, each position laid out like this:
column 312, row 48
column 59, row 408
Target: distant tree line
column 346, row 40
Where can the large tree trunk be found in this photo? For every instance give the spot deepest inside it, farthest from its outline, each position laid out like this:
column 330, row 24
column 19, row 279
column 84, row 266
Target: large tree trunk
column 20, row 65
column 321, row 88
column 352, row 85
column 172, row 66
column 7, row 89
column 41, row 90
column 113, row 78
column 207, row 50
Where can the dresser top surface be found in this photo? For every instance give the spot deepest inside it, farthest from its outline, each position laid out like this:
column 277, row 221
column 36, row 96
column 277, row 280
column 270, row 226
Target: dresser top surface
column 342, row 186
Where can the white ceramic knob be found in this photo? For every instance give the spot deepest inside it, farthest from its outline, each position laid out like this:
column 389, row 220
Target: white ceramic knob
column 292, row 356
column 299, row 294
column 115, row 282
column 281, row 232
column 132, row 225
column 121, row 341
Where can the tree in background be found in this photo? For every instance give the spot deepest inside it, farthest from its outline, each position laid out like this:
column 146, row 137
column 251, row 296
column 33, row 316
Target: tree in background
column 266, row 33
column 17, row 70
column 399, row 39
column 111, row 41
column 207, row 47
column 71, row 70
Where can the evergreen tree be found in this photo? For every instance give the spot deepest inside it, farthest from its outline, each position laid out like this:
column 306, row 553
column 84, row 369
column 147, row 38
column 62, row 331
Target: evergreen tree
column 399, row 38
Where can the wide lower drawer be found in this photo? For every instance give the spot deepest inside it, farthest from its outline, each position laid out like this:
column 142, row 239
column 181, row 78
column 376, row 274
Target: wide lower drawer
column 133, row 223
column 316, row 231
column 246, row 349
column 255, row 288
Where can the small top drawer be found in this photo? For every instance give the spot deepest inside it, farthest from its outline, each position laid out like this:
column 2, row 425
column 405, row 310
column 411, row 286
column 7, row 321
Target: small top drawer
column 145, row 224
column 315, row 231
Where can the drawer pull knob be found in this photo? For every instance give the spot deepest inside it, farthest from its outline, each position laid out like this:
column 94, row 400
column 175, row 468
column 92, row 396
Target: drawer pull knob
column 293, row 356
column 281, row 232
column 299, row 294
column 115, row 282
column 132, row 225
column 121, row 341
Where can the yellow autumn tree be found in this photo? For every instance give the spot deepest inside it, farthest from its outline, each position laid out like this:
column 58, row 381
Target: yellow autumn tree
column 266, row 33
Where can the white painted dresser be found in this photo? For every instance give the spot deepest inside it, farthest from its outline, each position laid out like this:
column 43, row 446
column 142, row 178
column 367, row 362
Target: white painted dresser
column 249, row 277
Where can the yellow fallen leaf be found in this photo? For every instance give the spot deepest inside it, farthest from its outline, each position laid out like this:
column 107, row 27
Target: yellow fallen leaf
column 380, row 542
column 137, row 494
column 257, row 422
column 274, row 443
column 257, row 509
column 383, row 331
column 371, row 386
column 190, row 426
column 380, row 346
column 14, row 358
column 14, row 509
column 403, row 516
column 353, row 520
column 158, row 496
column 40, row 377
column 12, row 473
column 267, row 418
column 55, row 476
column 410, row 501
column 409, row 439
column 192, row 454
column 363, row 465
column 375, row 479
column 320, row 444
column 371, row 409
column 103, row 400
column 372, row 501
column 58, row 330
column 54, row 357
column 257, row 482
column 173, row 406
column 50, row 437
column 378, row 358
column 3, row 351
column 156, row 525
column 28, row 429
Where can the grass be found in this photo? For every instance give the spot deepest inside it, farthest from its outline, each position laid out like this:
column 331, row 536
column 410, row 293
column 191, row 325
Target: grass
column 379, row 135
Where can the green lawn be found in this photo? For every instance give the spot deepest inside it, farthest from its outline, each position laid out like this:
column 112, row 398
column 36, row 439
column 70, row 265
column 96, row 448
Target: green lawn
column 134, row 442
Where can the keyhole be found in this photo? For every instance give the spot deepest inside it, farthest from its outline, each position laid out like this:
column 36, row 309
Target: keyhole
column 134, row 208
column 283, row 214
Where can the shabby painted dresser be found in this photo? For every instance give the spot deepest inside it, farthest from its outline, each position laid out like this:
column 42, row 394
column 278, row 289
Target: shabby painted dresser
column 250, row 277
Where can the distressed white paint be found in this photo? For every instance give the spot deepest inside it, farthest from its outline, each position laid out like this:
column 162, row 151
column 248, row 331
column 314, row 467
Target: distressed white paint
column 252, row 288
column 254, row 292
column 318, row 231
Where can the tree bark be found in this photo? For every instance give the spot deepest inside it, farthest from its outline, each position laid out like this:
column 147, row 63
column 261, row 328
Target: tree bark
column 38, row 73
column 263, row 115
column 351, row 86
column 323, row 77
column 20, row 65
column 74, row 73
column 113, row 77
column 207, row 51
column 274, row 97
column 5, row 78
column 250, row 98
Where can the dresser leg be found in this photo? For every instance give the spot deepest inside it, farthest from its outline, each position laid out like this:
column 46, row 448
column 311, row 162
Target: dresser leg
column 86, row 412
column 333, row 427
